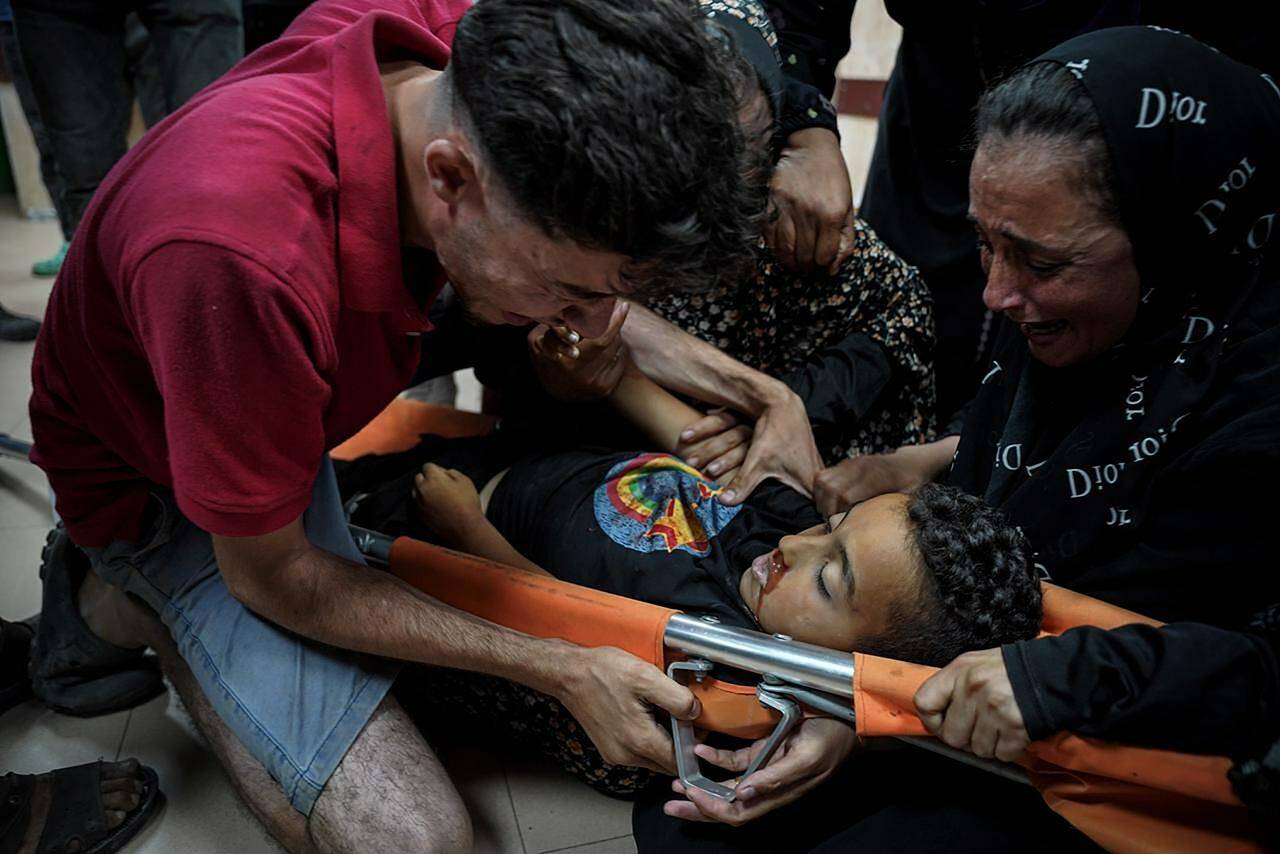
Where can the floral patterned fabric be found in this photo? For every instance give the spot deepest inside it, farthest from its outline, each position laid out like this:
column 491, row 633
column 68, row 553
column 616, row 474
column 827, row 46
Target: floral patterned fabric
column 778, row 320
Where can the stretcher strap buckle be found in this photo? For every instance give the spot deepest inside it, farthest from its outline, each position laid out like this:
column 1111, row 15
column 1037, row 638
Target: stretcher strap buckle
column 682, row 734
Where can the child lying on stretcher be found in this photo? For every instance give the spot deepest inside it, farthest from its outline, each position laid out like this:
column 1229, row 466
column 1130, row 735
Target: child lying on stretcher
column 920, row 577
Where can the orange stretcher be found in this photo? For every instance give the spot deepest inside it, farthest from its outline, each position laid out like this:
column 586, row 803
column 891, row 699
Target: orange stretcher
column 1124, row 798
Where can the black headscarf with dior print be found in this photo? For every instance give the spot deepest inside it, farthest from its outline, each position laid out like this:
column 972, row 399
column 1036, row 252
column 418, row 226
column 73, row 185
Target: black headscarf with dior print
column 1148, row 476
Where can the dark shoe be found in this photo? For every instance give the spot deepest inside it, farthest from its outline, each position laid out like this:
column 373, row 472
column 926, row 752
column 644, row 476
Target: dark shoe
column 15, row 655
column 72, row 801
column 14, row 327
column 73, row 671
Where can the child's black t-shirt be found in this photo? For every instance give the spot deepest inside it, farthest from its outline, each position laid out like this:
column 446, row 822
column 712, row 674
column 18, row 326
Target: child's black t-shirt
column 644, row 526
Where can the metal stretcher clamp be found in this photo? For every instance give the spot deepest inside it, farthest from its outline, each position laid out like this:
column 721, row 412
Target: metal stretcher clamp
column 683, row 737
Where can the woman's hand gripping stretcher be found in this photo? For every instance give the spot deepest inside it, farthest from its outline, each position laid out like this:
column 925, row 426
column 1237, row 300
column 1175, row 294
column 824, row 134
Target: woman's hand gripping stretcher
column 804, row 759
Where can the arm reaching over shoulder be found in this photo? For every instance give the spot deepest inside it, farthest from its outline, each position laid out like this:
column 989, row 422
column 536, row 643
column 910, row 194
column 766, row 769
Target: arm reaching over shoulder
column 782, row 444
column 856, row 479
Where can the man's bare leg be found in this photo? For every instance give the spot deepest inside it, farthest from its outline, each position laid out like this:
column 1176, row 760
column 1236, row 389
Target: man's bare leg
column 389, row 793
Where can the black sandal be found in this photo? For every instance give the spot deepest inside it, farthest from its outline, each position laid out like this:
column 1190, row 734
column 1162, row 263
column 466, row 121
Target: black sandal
column 75, row 811
column 73, row 671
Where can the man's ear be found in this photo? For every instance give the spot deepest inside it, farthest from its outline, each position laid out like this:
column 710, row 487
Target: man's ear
column 450, row 170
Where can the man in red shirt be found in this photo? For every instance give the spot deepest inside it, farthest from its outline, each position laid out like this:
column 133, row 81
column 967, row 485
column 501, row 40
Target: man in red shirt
column 248, row 288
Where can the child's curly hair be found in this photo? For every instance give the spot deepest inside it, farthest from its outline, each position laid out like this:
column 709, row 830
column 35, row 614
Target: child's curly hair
column 978, row 584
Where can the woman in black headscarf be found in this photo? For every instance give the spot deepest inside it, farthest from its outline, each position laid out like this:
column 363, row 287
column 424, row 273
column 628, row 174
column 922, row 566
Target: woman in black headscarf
column 1125, row 191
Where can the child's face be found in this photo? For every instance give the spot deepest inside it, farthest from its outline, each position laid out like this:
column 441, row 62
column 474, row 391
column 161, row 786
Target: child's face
column 836, row 587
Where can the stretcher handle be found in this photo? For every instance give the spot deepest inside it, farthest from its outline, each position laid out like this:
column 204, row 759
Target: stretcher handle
column 790, row 667
column 792, row 661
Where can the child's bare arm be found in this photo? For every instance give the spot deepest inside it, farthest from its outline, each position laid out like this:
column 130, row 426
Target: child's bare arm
column 656, row 411
column 482, row 539
column 450, row 506
column 664, row 417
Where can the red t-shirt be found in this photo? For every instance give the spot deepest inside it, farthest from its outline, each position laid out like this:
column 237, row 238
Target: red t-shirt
column 233, row 303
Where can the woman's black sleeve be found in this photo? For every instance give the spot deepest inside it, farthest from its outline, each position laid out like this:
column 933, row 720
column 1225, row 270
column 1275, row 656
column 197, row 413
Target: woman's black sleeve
column 841, row 383
column 812, row 39
column 1187, row 687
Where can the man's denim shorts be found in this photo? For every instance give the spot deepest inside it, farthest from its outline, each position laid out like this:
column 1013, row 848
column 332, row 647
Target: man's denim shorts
column 295, row 704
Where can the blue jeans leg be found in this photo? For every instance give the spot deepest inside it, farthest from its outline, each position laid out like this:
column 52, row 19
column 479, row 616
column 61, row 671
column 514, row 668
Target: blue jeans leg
column 297, row 705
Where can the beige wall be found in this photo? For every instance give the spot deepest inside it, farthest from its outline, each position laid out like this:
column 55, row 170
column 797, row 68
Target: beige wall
column 875, row 38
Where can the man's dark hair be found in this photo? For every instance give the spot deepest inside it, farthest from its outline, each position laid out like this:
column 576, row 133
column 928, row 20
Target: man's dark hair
column 1044, row 100
column 614, row 123
column 978, row 588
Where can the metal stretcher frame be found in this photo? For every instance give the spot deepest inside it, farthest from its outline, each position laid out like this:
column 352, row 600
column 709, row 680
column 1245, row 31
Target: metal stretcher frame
column 1125, row 798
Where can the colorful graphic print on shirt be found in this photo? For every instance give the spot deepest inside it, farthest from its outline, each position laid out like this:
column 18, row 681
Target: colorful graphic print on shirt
column 656, row 502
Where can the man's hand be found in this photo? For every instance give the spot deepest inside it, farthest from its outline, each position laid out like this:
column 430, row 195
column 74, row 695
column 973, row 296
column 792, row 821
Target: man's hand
column 447, row 501
column 781, row 446
column 813, row 199
column 969, row 704
column 856, row 479
column 804, row 759
column 615, row 696
column 574, row 368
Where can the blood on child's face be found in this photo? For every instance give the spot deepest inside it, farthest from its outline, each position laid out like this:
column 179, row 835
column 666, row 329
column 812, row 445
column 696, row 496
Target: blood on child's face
column 837, row 587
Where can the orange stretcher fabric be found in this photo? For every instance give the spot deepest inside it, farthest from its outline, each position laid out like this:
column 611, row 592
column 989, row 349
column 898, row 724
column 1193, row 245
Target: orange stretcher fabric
column 397, row 428
column 534, row 604
column 544, row 607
